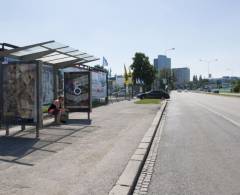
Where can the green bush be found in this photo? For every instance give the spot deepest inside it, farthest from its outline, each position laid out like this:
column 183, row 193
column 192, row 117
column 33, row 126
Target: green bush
column 236, row 88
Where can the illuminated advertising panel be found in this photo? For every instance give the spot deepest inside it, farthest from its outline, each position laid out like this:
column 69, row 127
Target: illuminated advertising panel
column 99, row 85
column 19, row 93
column 77, row 91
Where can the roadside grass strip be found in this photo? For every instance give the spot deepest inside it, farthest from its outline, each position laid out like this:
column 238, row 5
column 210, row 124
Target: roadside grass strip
column 148, row 101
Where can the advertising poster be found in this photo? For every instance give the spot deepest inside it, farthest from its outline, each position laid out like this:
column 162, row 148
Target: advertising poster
column 77, row 91
column 47, row 84
column 99, row 85
column 19, row 93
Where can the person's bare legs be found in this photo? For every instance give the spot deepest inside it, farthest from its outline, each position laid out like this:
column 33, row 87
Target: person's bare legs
column 58, row 118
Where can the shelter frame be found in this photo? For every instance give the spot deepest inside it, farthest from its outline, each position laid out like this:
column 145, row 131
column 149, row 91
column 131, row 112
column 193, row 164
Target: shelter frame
column 57, row 55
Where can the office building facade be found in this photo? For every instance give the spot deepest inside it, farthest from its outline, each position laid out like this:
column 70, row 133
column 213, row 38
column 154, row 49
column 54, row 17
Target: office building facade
column 162, row 62
column 181, row 76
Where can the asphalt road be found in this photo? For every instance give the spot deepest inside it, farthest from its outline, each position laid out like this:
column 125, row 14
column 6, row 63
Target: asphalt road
column 77, row 158
column 199, row 151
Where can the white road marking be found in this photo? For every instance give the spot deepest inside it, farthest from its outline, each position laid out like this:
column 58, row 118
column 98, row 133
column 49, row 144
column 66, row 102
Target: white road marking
column 219, row 114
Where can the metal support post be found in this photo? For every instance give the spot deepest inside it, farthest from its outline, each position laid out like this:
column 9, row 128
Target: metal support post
column 55, row 87
column 107, row 99
column 88, row 115
column 23, row 127
column 7, row 130
column 1, row 90
column 55, row 82
column 39, row 98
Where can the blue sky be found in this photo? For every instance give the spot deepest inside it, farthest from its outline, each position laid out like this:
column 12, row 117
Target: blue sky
column 198, row 29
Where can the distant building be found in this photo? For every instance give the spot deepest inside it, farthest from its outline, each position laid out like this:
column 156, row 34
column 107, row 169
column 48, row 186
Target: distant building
column 162, row 62
column 116, row 83
column 225, row 83
column 181, row 76
column 120, row 81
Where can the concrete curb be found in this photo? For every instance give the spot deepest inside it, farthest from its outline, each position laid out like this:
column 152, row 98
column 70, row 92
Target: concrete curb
column 128, row 179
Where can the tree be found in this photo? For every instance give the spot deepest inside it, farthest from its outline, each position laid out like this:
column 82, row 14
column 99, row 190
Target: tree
column 143, row 72
column 195, row 79
column 125, row 74
column 236, row 87
column 166, row 78
column 173, row 80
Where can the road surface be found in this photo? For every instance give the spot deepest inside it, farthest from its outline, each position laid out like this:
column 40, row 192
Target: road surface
column 199, row 151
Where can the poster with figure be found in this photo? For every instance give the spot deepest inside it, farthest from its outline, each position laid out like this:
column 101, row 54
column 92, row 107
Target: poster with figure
column 19, row 93
column 47, row 85
column 77, row 91
column 99, row 85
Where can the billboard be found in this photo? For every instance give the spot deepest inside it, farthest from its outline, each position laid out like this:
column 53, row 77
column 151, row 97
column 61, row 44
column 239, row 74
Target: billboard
column 77, row 91
column 19, row 93
column 99, row 85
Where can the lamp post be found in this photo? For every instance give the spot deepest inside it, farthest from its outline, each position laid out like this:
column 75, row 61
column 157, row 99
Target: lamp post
column 166, row 74
column 208, row 64
column 166, row 50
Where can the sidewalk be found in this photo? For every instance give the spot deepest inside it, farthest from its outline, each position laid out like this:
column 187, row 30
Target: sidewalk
column 77, row 158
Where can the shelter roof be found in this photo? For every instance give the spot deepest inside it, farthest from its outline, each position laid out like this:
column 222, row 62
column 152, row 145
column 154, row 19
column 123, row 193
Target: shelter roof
column 50, row 52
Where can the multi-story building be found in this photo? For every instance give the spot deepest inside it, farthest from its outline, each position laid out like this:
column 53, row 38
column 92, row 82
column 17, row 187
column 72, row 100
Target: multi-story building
column 181, row 76
column 162, row 62
column 116, row 83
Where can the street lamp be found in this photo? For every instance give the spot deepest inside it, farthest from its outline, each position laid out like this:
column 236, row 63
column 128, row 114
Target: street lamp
column 165, row 52
column 165, row 80
column 208, row 63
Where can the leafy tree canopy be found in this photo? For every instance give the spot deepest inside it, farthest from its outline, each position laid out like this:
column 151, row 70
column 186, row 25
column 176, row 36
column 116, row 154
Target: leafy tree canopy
column 143, row 71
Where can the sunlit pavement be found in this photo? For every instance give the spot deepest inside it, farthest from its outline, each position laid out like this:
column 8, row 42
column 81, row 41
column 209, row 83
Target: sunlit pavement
column 77, row 158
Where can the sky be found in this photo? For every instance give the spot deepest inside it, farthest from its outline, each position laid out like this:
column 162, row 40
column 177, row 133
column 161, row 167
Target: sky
column 197, row 29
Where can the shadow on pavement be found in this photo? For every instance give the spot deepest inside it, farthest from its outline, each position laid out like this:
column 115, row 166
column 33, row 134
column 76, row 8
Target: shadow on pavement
column 15, row 146
column 79, row 121
column 24, row 149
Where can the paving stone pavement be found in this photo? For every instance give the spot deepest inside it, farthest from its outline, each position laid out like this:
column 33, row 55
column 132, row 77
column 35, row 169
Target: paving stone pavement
column 75, row 158
column 147, row 171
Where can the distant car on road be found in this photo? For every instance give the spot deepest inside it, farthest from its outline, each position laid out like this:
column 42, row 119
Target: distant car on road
column 179, row 90
column 122, row 93
column 154, row 95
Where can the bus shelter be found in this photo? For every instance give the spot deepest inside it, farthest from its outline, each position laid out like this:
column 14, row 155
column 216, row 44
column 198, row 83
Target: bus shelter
column 21, row 70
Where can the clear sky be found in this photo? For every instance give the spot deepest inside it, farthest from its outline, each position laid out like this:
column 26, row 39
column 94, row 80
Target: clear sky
column 206, row 29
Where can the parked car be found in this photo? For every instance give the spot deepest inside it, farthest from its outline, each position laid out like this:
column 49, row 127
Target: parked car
column 154, row 95
column 215, row 90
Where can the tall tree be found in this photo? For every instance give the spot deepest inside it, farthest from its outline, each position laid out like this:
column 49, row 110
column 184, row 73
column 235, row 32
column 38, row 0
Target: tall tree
column 125, row 74
column 166, row 78
column 143, row 71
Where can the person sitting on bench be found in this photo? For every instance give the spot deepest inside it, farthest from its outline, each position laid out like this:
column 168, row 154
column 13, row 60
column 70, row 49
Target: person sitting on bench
column 57, row 108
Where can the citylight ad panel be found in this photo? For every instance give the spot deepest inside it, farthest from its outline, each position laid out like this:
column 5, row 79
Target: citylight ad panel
column 77, row 91
column 99, row 85
column 19, row 93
